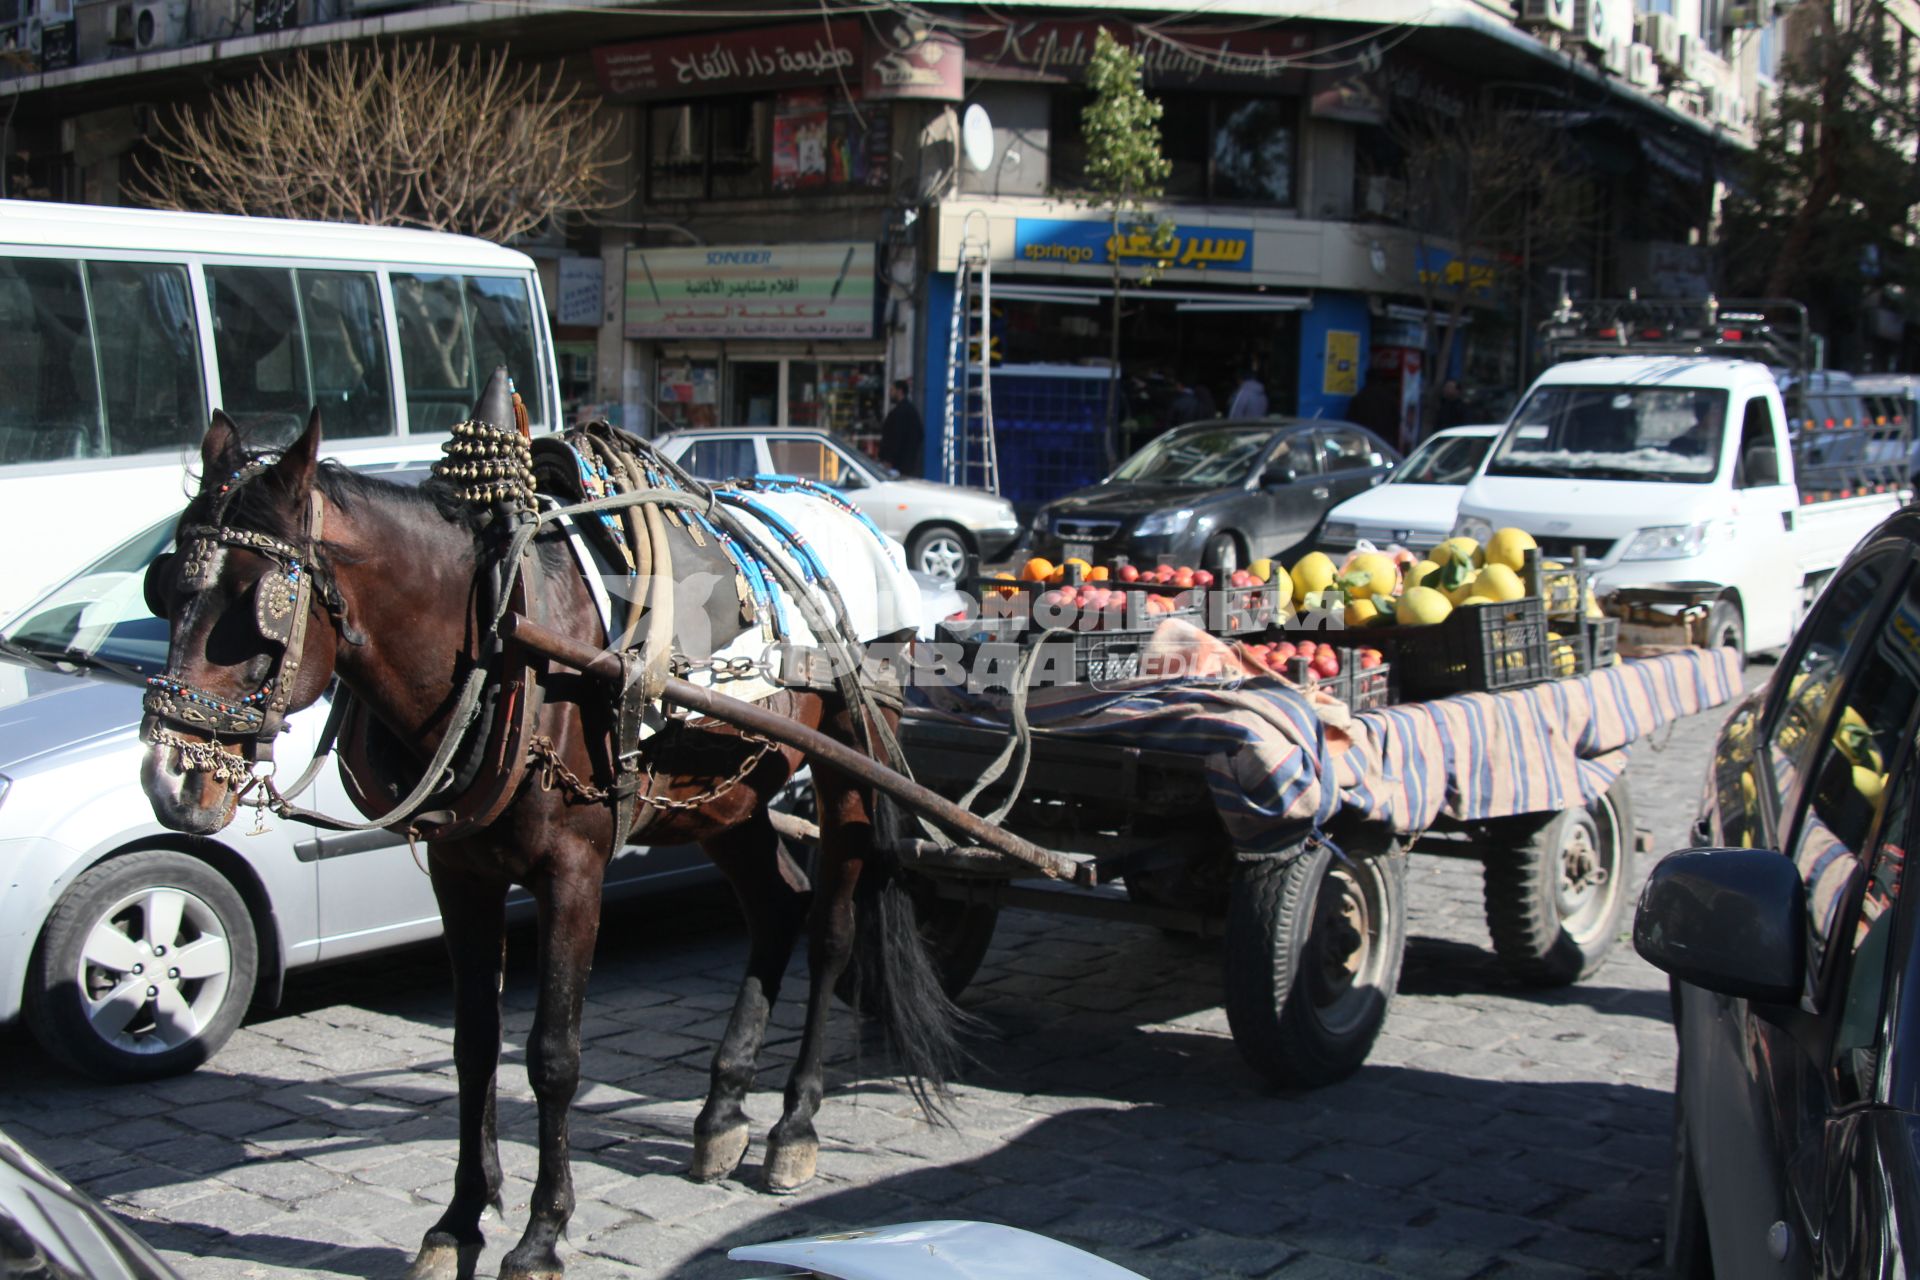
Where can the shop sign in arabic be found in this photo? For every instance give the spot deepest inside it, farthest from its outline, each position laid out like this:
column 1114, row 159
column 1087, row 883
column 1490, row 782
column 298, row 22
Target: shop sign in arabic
column 1189, row 57
column 770, row 291
column 764, row 58
column 1446, row 271
column 1072, row 243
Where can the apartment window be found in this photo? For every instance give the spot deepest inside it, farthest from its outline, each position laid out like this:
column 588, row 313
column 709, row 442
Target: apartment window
column 813, row 140
column 1220, row 148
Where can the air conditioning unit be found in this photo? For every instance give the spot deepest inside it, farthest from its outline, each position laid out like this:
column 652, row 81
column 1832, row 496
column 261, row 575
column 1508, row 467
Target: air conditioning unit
column 51, row 11
column 1659, row 32
column 51, row 43
column 1641, row 71
column 159, row 24
column 1614, row 58
column 118, row 24
column 1602, row 22
column 1693, row 65
column 1548, row 13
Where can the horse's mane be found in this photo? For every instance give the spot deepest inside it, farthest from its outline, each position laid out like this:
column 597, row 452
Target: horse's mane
column 255, row 505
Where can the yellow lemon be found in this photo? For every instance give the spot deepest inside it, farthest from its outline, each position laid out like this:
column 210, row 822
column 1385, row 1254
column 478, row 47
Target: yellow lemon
column 1282, row 589
column 1593, row 606
column 1261, row 569
column 1420, row 572
column 1466, row 549
column 1868, row 783
column 1314, row 573
column 1372, row 573
column 1421, row 606
column 1362, row 612
column 1479, row 600
column 1498, row 582
column 1468, row 586
column 1509, row 547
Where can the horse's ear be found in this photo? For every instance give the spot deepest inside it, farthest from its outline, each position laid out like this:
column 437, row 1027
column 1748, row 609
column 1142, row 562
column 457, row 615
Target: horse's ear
column 294, row 471
column 219, row 447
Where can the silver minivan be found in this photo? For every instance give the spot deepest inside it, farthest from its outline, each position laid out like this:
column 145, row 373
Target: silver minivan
column 133, row 951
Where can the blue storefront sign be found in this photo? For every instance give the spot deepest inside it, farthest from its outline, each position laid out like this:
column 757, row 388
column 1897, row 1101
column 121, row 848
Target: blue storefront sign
column 1076, row 243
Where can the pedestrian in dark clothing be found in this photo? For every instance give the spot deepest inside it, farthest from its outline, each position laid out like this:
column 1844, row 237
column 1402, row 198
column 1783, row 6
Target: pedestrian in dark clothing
column 1376, row 406
column 1209, row 407
column 1184, row 407
column 903, row 436
column 1452, row 409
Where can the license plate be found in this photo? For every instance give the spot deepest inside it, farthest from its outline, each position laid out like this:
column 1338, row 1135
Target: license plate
column 1069, row 550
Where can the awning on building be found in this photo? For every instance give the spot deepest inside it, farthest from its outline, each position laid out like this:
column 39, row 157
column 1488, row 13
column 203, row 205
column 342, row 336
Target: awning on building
column 1183, row 300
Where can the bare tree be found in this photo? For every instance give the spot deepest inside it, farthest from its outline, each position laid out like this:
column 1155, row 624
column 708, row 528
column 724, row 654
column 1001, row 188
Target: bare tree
column 1491, row 189
column 391, row 136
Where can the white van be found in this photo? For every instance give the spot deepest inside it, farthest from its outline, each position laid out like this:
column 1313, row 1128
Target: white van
column 122, row 329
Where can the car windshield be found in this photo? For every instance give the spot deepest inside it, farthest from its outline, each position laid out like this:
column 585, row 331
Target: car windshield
column 99, row 617
column 1202, row 457
column 1658, row 434
column 1443, row 460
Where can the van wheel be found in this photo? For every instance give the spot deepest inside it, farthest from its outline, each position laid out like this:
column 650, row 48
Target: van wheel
column 1726, row 629
column 145, row 969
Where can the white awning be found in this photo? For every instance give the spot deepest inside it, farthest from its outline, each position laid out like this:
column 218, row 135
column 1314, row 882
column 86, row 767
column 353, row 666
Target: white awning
column 1183, row 300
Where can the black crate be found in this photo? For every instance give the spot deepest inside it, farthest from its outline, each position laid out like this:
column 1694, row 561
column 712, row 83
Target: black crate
column 1479, row 648
column 1360, row 690
column 1099, row 656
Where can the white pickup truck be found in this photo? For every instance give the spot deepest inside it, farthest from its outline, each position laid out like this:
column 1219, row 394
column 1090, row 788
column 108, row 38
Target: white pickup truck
column 1682, row 469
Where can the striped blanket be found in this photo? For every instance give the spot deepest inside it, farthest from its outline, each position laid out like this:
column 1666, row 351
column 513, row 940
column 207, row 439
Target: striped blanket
column 1276, row 761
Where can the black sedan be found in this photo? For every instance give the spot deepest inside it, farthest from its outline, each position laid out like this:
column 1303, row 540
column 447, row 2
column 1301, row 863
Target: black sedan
column 1796, row 978
column 1215, row 494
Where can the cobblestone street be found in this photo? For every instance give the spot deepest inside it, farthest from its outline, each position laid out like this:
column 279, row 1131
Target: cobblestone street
column 1496, row 1130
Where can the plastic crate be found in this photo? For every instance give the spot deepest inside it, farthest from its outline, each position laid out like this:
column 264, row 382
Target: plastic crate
column 1479, row 648
column 1360, row 690
column 1099, row 656
column 1226, row 611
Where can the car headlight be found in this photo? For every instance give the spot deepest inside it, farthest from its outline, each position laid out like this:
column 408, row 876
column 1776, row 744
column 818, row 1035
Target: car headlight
column 1676, row 541
column 1473, row 527
column 1164, row 522
column 1340, row 531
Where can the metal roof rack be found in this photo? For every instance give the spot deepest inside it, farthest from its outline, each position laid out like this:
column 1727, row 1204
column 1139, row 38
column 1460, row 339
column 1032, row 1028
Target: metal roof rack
column 1773, row 331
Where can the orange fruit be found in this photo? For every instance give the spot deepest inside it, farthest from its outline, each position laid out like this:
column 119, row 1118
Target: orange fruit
column 1098, row 573
column 1037, row 570
column 1004, row 576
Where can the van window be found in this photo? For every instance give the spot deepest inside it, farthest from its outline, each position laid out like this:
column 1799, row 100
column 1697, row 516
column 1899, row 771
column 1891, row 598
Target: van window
column 1756, row 432
column 347, row 352
column 49, row 388
column 288, row 340
column 149, row 349
column 453, row 331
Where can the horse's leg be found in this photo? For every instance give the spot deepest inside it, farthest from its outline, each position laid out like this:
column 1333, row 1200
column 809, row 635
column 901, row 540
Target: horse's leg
column 775, row 910
column 473, row 914
column 846, row 841
column 569, row 904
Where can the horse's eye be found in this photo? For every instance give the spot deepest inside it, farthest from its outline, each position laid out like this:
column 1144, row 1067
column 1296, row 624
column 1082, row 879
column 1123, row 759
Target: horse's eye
column 159, row 574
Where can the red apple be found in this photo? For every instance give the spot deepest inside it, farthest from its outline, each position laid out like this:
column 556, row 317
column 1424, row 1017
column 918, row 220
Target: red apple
column 1128, row 573
column 1369, row 659
column 1286, row 649
column 1326, row 664
column 1307, row 648
column 1203, row 577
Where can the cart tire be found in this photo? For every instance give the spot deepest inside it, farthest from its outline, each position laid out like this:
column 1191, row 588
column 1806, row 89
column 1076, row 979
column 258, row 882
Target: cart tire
column 1313, row 953
column 957, row 935
column 1551, row 924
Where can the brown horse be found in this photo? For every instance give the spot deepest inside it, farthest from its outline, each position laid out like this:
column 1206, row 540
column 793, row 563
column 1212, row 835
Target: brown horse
column 391, row 606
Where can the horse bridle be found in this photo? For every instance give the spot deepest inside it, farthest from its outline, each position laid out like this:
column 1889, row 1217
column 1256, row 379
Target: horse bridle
column 282, row 600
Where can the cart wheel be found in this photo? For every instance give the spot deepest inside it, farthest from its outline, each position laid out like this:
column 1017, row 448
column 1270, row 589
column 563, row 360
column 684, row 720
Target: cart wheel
column 957, row 935
column 1556, row 891
column 1313, row 955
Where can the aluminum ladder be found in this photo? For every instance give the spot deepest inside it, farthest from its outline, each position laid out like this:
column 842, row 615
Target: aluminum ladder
column 968, row 453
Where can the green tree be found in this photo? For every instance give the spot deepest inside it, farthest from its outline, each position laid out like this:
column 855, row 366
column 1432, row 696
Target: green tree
column 1124, row 169
column 1821, row 210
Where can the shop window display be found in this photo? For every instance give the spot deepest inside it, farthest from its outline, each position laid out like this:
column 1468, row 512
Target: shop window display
column 813, row 141
column 689, row 394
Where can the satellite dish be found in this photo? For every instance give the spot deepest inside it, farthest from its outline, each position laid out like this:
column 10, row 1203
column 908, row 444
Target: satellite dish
column 976, row 138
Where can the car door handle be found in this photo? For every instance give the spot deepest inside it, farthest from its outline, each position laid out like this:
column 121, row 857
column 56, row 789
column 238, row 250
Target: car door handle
column 1320, row 491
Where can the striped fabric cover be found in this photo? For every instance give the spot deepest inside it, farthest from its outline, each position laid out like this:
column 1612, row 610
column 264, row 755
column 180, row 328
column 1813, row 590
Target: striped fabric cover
column 1271, row 753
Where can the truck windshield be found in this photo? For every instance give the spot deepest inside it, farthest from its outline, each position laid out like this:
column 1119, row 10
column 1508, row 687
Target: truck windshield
column 1664, row 434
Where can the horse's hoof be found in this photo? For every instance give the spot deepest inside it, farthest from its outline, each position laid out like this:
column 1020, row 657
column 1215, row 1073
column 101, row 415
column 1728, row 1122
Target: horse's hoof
column 544, row 1264
column 715, row 1155
column 791, row 1165
column 441, row 1257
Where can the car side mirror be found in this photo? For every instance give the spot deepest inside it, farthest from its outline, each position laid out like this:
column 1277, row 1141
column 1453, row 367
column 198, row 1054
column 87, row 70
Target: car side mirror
column 1762, row 465
column 1278, row 477
column 850, row 479
column 1729, row 920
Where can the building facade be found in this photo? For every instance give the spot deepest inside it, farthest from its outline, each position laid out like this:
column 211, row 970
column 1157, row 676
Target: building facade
column 796, row 196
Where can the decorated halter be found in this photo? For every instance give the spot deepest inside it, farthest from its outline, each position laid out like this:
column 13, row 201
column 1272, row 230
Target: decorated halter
column 280, row 609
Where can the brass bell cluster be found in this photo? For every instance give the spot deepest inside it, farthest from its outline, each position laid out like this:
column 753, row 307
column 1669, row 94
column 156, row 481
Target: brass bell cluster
column 488, row 464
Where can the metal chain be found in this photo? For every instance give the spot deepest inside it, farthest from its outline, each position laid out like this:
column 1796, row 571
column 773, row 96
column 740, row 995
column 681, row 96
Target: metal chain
column 731, row 668
column 226, row 766
column 554, row 773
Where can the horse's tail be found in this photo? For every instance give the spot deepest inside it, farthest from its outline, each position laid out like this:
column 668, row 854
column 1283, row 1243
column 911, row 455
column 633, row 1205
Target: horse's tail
column 894, row 976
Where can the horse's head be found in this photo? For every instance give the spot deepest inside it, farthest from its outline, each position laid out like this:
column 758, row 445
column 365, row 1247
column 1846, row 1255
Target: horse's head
column 254, row 622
